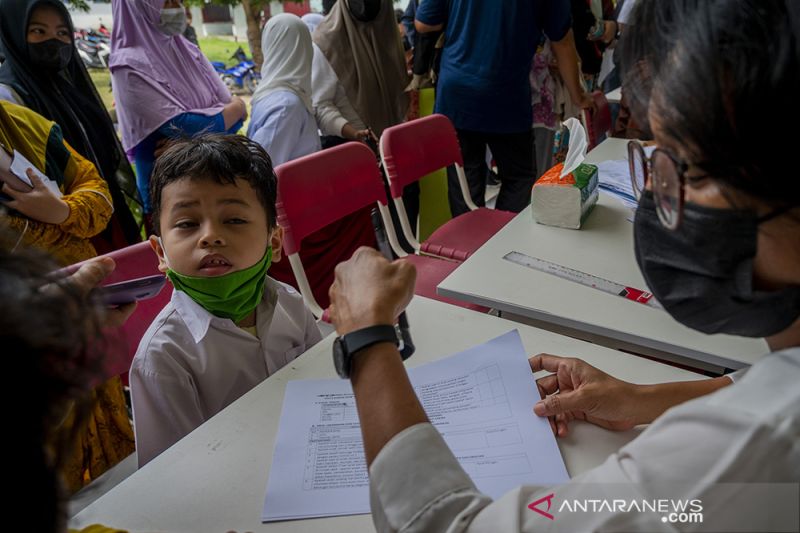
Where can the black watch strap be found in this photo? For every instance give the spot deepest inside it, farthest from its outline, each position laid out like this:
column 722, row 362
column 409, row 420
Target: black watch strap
column 366, row 337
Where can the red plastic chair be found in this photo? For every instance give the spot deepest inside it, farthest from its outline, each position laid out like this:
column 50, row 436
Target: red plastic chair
column 597, row 123
column 414, row 149
column 321, row 188
column 135, row 261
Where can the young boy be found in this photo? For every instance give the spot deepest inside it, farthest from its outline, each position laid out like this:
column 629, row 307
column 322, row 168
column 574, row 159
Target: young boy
column 228, row 325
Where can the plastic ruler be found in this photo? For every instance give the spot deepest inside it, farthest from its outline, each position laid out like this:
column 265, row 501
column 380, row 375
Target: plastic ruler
column 611, row 287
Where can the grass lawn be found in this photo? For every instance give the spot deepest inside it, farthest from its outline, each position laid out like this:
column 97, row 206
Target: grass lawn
column 102, row 82
column 215, row 49
column 219, row 49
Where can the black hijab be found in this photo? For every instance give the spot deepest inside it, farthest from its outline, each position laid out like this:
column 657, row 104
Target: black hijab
column 69, row 99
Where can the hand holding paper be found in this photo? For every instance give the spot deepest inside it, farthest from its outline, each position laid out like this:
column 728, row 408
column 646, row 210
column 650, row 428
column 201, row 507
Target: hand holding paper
column 22, row 168
column 7, row 176
column 39, row 203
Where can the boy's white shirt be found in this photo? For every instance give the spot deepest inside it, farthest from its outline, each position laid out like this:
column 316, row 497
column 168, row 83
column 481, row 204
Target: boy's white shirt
column 191, row 364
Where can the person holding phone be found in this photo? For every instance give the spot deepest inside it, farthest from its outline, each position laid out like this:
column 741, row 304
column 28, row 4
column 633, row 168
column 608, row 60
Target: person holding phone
column 50, row 330
column 717, row 238
column 61, row 221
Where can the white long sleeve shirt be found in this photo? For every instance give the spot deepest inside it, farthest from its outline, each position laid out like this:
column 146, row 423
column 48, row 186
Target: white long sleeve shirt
column 191, row 364
column 284, row 127
column 331, row 106
column 743, row 435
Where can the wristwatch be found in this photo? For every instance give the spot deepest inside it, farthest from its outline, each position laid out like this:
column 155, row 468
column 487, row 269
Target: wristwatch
column 346, row 347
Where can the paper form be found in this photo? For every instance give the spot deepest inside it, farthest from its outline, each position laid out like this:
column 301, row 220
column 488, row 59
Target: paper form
column 615, row 178
column 20, row 166
column 481, row 401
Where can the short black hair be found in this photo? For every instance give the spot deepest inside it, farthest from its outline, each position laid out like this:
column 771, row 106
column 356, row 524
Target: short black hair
column 221, row 158
column 715, row 72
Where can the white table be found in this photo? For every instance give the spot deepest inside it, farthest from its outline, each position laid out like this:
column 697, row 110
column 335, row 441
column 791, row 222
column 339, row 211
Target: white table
column 615, row 96
column 214, row 479
column 604, row 248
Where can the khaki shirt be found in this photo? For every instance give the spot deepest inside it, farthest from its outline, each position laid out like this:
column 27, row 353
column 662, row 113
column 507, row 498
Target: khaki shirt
column 745, row 434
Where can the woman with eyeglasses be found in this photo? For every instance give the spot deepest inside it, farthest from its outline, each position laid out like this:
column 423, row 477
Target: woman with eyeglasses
column 717, row 236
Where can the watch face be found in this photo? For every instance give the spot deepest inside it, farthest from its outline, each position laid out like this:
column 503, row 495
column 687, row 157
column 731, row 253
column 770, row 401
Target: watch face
column 339, row 357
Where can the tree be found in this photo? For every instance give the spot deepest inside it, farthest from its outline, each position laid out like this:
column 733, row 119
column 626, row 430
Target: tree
column 253, row 13
column 78, row 4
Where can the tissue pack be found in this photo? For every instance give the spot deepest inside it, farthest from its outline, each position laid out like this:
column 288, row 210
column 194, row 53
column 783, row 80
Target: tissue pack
column 566, row 201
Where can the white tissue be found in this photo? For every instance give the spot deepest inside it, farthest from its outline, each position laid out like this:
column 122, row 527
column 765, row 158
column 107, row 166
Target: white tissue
column 578, row 144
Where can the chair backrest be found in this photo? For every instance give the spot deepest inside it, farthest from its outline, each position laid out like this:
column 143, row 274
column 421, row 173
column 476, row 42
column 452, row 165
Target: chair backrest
column 414, row 149
column 321, row 188
column 598, row 122
column 135, row 261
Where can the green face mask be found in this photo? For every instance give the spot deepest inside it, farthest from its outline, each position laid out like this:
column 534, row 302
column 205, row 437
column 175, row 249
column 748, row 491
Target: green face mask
column 233, row 295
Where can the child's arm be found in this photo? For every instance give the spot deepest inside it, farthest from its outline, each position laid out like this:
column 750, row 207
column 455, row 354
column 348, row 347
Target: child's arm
column 324, row 83
column 88, row 198
column 89, row 202
column 165, row 409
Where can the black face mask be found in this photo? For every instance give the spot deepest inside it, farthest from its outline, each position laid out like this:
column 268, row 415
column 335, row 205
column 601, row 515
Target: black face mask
column 52, row 55
column 702, row 273
column 364, row 10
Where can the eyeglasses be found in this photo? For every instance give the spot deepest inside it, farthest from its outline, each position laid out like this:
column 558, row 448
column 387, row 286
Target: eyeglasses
column 669, row 181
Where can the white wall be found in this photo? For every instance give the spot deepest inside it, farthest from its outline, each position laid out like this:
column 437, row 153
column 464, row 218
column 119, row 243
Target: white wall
column 99, row 13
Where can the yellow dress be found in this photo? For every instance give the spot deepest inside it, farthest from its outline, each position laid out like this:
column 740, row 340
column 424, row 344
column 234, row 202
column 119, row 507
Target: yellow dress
column 108, row 435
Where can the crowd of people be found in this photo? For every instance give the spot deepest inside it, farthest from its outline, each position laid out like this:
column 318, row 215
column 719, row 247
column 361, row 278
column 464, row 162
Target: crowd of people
column 178, row 170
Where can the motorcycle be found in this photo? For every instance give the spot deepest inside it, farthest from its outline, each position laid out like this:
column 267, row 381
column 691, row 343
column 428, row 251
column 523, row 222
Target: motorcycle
column 93, row 47
column 241, row 77
column 105, row 32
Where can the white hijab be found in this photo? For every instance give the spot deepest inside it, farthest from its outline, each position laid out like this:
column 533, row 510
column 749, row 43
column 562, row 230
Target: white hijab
column 287, row 48
column 312, row 20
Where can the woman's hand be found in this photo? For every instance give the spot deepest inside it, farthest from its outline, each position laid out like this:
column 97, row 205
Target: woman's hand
column 352, row 134
column 89, row 276
column 39, row 203
column 585, row 101
column 609, row 32
column 234, row 111
column 578, row 391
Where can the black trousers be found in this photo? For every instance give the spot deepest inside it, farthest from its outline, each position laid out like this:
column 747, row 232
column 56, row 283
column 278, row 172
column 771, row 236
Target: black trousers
column 516, row 168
